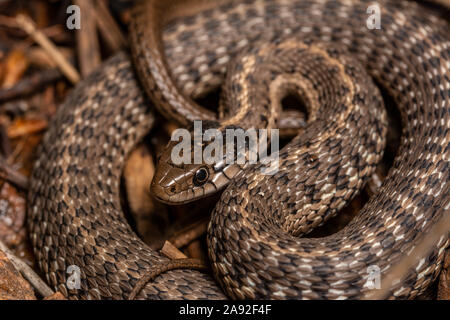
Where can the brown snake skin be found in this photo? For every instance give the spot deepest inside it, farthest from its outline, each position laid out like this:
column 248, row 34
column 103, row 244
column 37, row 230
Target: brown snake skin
column 74, row 206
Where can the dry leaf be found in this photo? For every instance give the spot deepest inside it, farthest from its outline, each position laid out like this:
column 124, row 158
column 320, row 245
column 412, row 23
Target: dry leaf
column 150, row 216
column 56, row 296
column 16, row 64
column 25, row 127
column 12, row 285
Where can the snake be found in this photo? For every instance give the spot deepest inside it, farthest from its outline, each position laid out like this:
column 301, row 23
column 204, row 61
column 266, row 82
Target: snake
column 322, row 50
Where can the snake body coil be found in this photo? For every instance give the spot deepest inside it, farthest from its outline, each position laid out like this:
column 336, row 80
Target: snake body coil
column 75, row 216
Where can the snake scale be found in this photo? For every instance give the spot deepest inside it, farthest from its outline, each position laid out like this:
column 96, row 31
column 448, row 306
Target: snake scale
column 75, row 216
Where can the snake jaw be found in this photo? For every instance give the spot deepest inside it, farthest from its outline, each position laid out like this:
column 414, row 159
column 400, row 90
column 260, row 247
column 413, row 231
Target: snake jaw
column 177, row 184
column 167, row 185
column 163, row 195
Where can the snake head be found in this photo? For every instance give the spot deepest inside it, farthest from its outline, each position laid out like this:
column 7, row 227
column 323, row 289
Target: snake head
column 183, row 183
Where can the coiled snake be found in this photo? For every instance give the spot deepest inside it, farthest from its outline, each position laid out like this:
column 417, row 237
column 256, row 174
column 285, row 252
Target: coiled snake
column 75, row 217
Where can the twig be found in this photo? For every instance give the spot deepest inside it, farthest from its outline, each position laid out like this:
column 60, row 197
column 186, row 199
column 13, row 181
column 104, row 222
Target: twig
column 54, row 32
column 30, row 84
column 8, row 22
column 38, row 57
column 12, row 176
column 40, row 286
column 189, row 234
column 87, row 41
column 5, row 143
column 108, row 27
column 66, row 68
column 170, row 251
column 445, row 3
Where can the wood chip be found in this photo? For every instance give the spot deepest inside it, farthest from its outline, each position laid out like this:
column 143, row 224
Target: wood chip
column 170, row 251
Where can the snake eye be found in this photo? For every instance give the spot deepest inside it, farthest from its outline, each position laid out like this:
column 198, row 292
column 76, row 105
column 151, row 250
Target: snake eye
column 201, row 176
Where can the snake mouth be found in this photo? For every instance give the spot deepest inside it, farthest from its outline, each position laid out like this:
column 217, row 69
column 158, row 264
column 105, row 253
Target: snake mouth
column 169, row 195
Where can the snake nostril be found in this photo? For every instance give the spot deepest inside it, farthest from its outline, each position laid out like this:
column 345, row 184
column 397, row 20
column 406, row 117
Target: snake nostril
column 173, row 189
